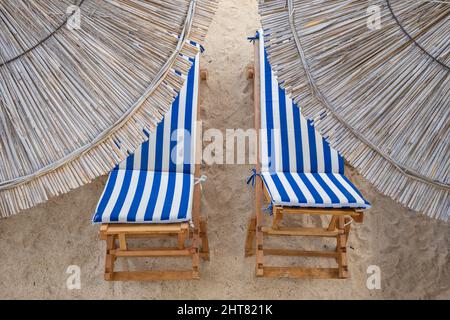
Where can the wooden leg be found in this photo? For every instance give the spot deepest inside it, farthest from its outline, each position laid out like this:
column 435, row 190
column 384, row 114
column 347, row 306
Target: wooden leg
column 259, row 230
column 196, row 254
column 181, row 239
column 249, row 241
column 122, row 242
column 348, row 225
column 250, row 72
column 342, row 250
column 204, row 74
column 205, row 242
column 332, row 225
column 109, row 259
column 277, row 217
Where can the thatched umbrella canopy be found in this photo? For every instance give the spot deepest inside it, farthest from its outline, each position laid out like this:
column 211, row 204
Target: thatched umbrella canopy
column 78, row 88
column 380, row 95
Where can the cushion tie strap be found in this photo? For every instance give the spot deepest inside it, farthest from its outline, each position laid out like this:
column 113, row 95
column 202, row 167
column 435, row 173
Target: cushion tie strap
column 253, row 176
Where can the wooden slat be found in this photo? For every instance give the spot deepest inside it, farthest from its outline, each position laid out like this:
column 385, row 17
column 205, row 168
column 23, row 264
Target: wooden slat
column 152, row 275
column 146, row 228
column 258, row 181
column 152, row 252
column 337, row 212
column 300, row 272
column 300, row 253
column 313, row 232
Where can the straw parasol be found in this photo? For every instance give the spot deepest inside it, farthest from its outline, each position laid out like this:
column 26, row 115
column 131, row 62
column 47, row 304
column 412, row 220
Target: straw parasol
column 82, row 82
column 378, row 93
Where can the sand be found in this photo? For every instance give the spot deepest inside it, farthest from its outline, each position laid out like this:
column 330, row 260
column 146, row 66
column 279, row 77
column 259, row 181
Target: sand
column 37, row 246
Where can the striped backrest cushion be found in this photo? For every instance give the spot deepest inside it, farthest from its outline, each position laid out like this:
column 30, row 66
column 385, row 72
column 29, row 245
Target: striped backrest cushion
column 289, row 142
column 171, row 148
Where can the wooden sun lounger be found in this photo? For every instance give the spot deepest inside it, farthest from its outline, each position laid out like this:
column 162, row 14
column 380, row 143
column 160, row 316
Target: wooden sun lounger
column 338, row 228
column 192, row 241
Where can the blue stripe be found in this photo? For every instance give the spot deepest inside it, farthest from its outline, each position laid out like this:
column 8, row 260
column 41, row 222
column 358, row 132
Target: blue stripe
column 123, row 191
column 341, row 164
column 280, row 188
column 312, row 146
column 341, row 188
column 315, row 194
column 159, row 146
column 131, row 216
column 154, row 193
column 173, row 129
column 187, row 168
column 269, row 113
column 185, row 196
column 106, row 195
column 298, row 192
column 327, row 156
column 298, row 134
column 283, row 130
column 168, row 202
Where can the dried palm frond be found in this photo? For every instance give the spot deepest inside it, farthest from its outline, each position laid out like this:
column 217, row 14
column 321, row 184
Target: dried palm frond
column 75, row 101
column 381, row 96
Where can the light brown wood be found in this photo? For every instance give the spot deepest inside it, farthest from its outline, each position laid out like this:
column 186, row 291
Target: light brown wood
column 250, row 239
column 122, row 241
column 152, row 275
column 313, row 232
column 152, row 252
column 320, row 211
column 258, row 181
column 299, row 272
column 203, row 74
column 300, row 253
column 205, row 242
column 250, row 72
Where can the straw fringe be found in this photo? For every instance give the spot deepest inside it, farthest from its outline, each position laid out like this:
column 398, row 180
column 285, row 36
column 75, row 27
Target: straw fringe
column 79, row 102
column 375, row 95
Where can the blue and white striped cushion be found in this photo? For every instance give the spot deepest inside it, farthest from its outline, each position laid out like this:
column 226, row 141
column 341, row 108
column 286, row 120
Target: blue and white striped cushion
column 138, row 196
column 298, row 165
column 155, row 184
column 323, row 190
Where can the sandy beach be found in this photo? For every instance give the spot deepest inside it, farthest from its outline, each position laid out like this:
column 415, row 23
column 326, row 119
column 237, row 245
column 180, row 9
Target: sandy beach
column 38, row 245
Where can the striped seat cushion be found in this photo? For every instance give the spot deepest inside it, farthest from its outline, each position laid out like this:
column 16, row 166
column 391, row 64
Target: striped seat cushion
column 143, row 196
column 155, row 183
column 298, row 165
column 323, row 190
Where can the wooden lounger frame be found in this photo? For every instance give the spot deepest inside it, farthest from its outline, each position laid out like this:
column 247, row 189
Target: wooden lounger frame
column 339, row 226
column 116, row 236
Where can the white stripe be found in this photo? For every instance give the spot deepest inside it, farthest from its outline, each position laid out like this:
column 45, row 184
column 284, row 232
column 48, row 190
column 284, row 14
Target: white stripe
column 114, row 195
column 319, row 152
column 326, row 199
column 271, row 187
column 161, row 196
column 175, row 208
column 180, row 134
column 291, row 134
column 263, row 132
column 277, row 154
column 130, row 196
column 166, row 141
column 140, row 214
column 194, row 114
column 334, row 160
column 152, row 152
column 191, row 198
column 305, row 145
